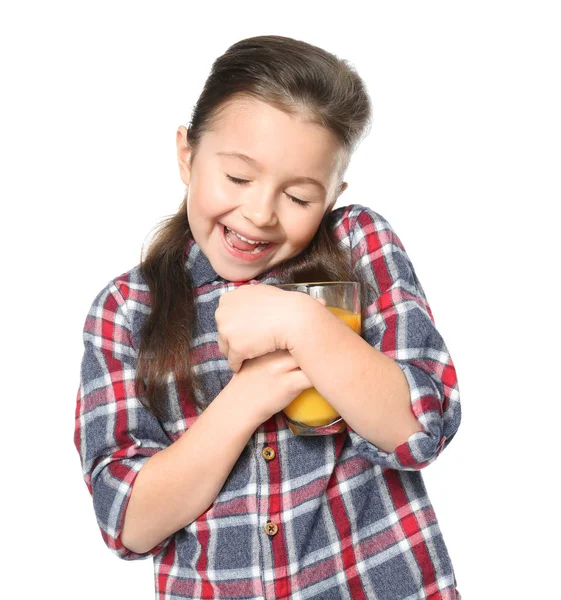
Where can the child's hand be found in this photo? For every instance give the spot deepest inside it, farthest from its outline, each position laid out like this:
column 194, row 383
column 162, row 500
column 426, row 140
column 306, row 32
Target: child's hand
column 254, row 320
column 269, row 383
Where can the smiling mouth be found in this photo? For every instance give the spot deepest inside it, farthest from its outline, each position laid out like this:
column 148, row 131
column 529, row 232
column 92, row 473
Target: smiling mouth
column 236, row 232
column 251, row 249
column 230, row 233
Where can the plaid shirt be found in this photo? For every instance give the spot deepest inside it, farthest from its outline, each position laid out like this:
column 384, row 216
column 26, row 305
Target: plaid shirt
column 352, row 521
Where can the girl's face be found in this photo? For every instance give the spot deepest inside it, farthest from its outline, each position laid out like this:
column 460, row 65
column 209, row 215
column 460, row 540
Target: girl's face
column 291, row 177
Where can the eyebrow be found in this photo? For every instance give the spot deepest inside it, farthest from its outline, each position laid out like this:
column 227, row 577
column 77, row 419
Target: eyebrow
column 257, row 165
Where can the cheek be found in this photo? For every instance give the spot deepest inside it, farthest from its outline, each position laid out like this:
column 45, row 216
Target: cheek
column 302, row 232
column 206, row 198
column 218, row 196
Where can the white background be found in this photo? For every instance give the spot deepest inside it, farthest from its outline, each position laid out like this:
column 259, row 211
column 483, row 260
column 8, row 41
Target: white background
column 463, row 159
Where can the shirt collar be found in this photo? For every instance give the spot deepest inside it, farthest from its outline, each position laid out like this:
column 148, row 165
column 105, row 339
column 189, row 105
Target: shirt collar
column 202, row 271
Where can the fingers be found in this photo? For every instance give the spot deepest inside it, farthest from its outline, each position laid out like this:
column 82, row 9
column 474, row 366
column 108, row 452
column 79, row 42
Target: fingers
column 222, row 345
column 286, row 362
column 235, row 365
column 282, row 359
column 299, row 381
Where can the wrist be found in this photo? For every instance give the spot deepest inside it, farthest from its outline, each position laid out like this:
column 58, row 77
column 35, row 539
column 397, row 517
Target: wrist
column 302, row 313
column 237, row 392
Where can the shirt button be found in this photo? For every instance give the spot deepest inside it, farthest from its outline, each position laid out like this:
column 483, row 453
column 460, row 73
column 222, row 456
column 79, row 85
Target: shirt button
column 268, row 453
column 271, row 528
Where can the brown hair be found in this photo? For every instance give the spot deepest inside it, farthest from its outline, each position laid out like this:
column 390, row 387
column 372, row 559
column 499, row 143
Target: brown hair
column 295, row 77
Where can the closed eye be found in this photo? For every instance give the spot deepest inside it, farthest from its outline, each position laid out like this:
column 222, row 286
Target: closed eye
column 238, row 181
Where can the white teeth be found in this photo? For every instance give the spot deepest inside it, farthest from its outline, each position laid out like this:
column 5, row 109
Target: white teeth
column 260, row 246
column 244, row 238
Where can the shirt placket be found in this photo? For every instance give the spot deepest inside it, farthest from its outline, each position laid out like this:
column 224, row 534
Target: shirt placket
column 275, row 576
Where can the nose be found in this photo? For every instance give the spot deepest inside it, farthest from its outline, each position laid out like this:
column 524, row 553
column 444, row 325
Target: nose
column 260, row 210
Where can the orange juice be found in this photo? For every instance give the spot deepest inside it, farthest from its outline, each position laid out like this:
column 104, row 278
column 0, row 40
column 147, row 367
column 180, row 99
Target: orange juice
column 310, row 407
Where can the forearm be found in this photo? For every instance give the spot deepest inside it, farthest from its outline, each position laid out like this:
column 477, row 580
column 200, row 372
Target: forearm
column 366, row 387
column 178, row 484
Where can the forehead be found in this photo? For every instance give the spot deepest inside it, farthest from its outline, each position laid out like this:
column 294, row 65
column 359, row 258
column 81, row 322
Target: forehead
column 274, row 138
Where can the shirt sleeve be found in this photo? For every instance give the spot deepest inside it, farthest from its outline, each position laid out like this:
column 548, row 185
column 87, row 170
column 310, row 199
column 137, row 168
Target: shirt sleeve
column 114, row 434
column 398, row 321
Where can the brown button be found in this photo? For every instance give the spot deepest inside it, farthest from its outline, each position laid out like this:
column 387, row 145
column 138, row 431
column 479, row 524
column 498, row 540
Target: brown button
column 271, row 528
column 268, row 453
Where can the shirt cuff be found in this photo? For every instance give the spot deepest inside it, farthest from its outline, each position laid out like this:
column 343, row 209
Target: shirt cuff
column 111, row 495
column 422, row 447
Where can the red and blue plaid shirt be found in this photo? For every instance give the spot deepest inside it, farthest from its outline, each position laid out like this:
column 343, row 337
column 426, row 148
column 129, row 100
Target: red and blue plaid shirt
column 352, row 521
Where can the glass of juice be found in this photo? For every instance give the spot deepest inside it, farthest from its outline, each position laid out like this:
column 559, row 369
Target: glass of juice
column 310, row 413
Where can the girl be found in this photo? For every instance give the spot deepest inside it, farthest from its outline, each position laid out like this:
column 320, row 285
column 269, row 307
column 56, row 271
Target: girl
column 189, row 359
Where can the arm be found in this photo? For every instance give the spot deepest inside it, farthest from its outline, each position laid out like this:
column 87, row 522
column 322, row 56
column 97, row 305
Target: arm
column 179, row 483
column 128, row 459
column 114, row 434
column 365, row 386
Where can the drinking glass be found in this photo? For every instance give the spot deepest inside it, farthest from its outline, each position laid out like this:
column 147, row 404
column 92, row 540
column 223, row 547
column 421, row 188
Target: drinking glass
column 310, row 413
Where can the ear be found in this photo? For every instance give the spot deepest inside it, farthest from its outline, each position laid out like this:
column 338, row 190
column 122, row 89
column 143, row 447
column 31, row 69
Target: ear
column 184, row 152
column 342, row 188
